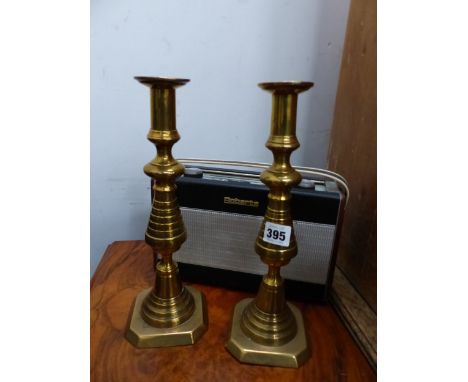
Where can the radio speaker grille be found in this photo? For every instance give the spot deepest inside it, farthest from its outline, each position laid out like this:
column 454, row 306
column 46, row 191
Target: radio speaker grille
column 226, row 241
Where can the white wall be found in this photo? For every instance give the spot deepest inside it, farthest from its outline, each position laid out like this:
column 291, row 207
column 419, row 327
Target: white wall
column 225, row 48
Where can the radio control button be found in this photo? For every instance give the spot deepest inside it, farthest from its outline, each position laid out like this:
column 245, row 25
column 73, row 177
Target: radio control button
column 320, row 187
column 193, row 172
column 307, row 183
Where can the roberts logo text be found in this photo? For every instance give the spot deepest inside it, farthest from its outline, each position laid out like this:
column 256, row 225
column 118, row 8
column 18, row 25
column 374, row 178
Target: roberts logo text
column 240, row 202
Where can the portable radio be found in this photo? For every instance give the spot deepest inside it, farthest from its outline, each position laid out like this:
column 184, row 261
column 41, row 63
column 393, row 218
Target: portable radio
column 223, row 208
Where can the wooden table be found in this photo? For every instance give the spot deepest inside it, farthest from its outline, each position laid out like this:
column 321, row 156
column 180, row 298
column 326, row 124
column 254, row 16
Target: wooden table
column 126, row 269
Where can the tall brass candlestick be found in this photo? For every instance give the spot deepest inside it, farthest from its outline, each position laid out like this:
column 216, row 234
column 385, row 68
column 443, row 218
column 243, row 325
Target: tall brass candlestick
column 168, row 314
column 267, row 330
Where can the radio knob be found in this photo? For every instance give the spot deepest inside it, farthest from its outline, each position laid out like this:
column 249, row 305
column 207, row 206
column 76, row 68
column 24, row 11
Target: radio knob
column 193, row 172
column 307, row 183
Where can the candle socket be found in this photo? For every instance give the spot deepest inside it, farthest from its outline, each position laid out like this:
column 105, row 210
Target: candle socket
column 170, row 313
column 267, row 330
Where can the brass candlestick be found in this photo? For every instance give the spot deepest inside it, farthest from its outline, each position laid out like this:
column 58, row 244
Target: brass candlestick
column 168, row 314
column 267, row 330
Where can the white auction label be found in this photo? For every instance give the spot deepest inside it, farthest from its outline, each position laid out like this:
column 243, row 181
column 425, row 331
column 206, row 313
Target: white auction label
column 277, row 234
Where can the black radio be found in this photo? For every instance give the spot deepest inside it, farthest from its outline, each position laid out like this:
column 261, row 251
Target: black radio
column 223, row 210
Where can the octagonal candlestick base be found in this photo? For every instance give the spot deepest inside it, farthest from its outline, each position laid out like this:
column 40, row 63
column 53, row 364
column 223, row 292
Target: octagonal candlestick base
column 292, row 354
column 143, row 335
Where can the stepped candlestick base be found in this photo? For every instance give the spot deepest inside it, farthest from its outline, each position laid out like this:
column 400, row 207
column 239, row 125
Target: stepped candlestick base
column 143, row 335
column 292, row 354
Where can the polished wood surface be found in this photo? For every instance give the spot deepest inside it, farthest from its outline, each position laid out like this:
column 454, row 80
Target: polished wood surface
column 126, row 268
column 353, row 148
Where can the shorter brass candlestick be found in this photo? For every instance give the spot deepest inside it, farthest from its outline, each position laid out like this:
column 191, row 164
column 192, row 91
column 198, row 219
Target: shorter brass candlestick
column 267, row 330
column 168, row 314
